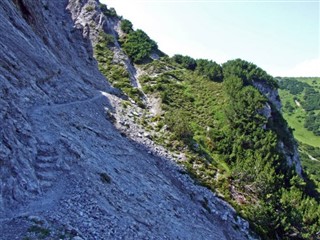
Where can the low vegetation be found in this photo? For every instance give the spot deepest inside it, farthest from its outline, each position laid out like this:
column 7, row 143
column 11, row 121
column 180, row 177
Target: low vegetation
column 231, row 148
column 301, row 98
column 109, row 12
column 126, row 26
column 138, row 46
column 41, row 232
column 90, row 8
column 105, row 178
column 115, row 72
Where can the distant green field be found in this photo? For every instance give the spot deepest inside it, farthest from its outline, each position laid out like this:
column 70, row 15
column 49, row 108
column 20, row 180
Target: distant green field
column 296, row 121
column 297, row 117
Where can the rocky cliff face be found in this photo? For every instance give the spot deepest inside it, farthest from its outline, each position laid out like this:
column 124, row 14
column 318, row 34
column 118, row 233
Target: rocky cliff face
column 65, row 171
column 290, row 148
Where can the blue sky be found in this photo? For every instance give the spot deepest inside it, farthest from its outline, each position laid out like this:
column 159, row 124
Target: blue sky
column 282, row 37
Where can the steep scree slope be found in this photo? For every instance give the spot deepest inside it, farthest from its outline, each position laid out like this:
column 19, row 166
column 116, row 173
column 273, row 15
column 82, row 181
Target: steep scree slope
column 65, row 171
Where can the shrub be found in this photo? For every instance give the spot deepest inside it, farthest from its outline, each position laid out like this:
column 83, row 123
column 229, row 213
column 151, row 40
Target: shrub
column 248, row 72
column 106, row 39
column 108, row 12
column 105, row 178
column 89, row 8
column 139, row 46
column 185, row 61
column 40, row 231
column 209, row 69
column 126, row 26
column 178, row 123
column 117, row 74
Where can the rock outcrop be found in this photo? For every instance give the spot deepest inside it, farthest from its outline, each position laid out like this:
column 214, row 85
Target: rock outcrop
column 65, row 170
column 288, row 148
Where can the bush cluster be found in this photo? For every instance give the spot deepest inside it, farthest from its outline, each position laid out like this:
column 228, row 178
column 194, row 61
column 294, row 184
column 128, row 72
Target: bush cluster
column 126, row 26
column 138, row 46
column 204, row 67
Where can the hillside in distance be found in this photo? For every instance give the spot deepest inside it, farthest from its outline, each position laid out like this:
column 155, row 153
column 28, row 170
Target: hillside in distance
column 301, row 108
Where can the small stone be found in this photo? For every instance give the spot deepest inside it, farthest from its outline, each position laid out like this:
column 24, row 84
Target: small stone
column 147, row 135
column 225, row 216
column 77, row 238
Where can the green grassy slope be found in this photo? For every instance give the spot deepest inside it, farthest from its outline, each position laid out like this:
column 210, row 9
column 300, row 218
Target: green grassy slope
column 296, row 120
column 309, row 143
column 297, row 117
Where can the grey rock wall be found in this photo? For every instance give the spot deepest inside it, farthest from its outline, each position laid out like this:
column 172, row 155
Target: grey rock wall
column 289, row 149
column 269, row 92
column 64, row 168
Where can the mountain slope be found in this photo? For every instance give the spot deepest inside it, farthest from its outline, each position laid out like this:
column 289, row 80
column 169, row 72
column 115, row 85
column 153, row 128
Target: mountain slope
column 301, row 109
column 300, row 97
column 223, row 123
column 66, row 171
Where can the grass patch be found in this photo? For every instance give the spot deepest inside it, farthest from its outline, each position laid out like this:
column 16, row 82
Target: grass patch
column 193, row 105
column 40, row 231
column 296, row 117
column 115, row 72
column 300, row 133
column 89, row 8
